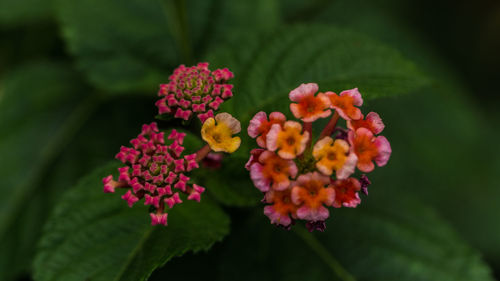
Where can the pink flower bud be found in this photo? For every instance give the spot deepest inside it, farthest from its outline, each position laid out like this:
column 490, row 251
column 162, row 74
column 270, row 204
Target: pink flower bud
column 176, row 148
column 152, row 200
column 158, row 218
column 124, row 176
column 191, row 162
column 172, row 200
column 130, row 198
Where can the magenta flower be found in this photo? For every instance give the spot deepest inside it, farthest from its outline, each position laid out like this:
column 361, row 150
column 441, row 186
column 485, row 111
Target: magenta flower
column 155, row 171
column 195, row 90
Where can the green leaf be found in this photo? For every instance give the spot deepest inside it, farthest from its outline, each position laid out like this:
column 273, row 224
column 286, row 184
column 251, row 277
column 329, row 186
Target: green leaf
column 37, row 112
column 41, row 106
column 95, row 236
column 229, row 20
column 450, row 165
column 386, row 21
column 132, row 45
column 406, row 241
column 51, row 135
column 268, row 67
column 22, row 12
column 126, row 46
column 387, row 241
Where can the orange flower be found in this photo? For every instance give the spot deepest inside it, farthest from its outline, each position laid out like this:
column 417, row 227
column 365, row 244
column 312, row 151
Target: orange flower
column 345, row 103
column 369, row 148
column 260, row 126
column 289, row 140
column 309, row 108
column 272, row 171
column 373, row 122
column 346, row 193
column 310, row 194
column 281, row 207
column 334, row 156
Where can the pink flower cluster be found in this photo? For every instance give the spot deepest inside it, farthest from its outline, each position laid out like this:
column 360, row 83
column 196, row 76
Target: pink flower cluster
column 155, row 171
column 195, row 90
column 302, row 174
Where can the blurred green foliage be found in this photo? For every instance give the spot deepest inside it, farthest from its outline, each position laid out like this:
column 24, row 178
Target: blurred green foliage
column 78, row 78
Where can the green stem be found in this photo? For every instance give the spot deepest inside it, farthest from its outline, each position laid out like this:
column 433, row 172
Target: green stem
column 316, row 246
column 177, row 23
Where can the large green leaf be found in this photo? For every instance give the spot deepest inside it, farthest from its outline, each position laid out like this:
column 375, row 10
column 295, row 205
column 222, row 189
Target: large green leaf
column 444, row 154
column 269, row 66
column 125, row 46
column 22, row 12
column 33, row 109
column 95, row 236
column 394, row 240
column 41, row 106
column 133, row 44
column 51, row 135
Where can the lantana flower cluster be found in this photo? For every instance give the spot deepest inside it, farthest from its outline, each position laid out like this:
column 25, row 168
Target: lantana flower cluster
column 155, row 167
column 196, row 91
column 155, row 171
column 302, row 175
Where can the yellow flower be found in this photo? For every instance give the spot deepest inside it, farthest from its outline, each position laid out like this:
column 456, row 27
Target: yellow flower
column 287, row 139
column 218, row 133
column 334, row 156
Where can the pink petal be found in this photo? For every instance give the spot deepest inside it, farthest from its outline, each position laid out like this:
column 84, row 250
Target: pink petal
column 384, row 151
column 303, row 91
column 275, row 217
column 256, row 123
column 272, row 137
column 355, row 94
column 376, row 122
column 262, row 183
column 254, row 156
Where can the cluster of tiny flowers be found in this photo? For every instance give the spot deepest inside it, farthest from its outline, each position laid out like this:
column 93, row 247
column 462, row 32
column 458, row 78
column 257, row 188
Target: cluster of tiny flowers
column 155, row 171
column 195, row 90
column 300, row 178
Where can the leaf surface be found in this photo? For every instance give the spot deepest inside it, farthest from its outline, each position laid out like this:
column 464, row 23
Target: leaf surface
column 95, row 236
column 269, row 66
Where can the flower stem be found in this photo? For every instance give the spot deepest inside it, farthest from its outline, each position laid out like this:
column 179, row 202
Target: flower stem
column 328, row 130
column 316, row 246
column 308, row 128
column 203, row 152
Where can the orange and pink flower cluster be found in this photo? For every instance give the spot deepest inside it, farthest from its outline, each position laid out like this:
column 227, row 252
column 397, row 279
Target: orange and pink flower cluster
column 302, row 174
